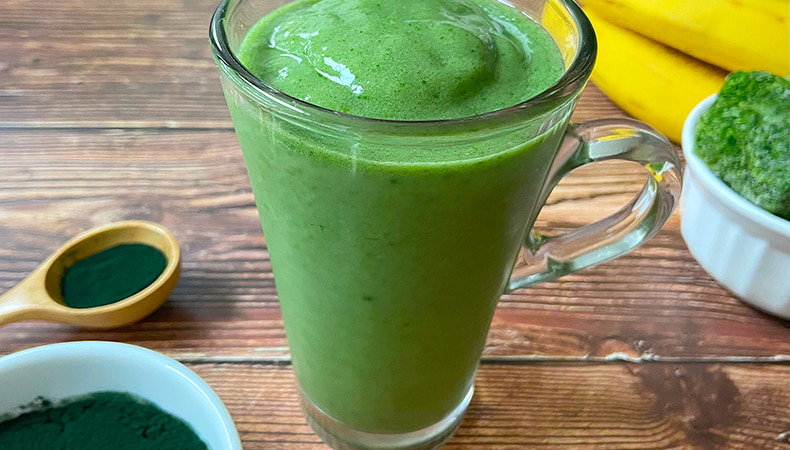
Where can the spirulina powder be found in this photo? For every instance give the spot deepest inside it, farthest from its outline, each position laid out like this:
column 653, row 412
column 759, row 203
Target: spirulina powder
column 111, row 275
column 100, row 421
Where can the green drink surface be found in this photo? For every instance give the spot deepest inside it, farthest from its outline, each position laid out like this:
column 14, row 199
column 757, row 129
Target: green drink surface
column 405, row 59
column 389, row 255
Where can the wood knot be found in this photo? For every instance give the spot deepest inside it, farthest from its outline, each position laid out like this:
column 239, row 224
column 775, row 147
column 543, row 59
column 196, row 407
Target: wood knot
column 701, row 398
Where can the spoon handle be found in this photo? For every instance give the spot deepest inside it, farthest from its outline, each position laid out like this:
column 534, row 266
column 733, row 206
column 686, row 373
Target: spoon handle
column 26, row 300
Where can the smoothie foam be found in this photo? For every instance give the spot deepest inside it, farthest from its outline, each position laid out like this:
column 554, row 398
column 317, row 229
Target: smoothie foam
column 405, row 59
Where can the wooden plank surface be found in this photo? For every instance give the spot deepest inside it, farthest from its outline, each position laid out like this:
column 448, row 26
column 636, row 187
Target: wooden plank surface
column 654, row 406
column 120, row 64
column 656, row 302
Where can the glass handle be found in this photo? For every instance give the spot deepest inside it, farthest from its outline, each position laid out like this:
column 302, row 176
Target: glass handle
column 548, row 257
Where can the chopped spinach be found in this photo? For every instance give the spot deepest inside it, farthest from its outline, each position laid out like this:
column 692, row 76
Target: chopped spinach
column 745, row 139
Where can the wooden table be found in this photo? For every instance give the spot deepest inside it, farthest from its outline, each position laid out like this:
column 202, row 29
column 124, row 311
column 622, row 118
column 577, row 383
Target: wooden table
column 113, row 110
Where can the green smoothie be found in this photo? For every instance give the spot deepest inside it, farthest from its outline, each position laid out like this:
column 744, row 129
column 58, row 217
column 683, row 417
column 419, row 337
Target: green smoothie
column 389, row 255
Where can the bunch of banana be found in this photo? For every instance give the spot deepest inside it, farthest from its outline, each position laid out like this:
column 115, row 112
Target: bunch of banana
column 659, row 58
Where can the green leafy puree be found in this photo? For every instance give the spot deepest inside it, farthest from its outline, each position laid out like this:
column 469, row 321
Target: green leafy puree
column 745, row 139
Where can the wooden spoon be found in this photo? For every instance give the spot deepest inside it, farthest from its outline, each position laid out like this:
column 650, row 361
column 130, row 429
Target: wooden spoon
column 38, row 296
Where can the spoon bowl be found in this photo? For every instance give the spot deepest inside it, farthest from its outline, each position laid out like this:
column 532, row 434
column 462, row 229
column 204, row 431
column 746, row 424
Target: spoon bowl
column 38, row 297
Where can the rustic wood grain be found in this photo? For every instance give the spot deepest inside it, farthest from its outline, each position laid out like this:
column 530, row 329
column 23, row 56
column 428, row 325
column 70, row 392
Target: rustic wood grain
column 108, row 64
column 616, row 406
column 654, row 303
column 127, row 63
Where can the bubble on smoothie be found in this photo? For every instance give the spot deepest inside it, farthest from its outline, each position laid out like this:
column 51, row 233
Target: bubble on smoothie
column 405, row 59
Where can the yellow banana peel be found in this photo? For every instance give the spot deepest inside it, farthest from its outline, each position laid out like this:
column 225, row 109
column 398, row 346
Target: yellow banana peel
column 733, row 34
column 650, row 81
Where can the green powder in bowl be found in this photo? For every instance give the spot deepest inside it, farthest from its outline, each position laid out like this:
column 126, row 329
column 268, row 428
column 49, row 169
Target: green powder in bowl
column 99, row 421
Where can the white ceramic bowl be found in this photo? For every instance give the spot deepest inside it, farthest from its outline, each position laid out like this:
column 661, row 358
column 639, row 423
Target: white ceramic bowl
column 58, row 371
column 744, row 248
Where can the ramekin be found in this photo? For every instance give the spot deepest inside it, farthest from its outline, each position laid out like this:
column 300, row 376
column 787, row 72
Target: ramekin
column 743, row 247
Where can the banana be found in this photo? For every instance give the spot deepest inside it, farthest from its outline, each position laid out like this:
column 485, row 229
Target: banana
column 652, row 82
column 733, row 34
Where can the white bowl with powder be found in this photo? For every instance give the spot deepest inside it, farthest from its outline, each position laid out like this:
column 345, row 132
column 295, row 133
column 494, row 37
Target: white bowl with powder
column 61, row 371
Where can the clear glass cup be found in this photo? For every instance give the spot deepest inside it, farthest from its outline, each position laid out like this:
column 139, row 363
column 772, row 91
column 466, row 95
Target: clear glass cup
column 391, row 241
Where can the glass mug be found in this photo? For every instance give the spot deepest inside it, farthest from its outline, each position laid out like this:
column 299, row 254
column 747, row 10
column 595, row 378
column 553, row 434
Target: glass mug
column 391, row 241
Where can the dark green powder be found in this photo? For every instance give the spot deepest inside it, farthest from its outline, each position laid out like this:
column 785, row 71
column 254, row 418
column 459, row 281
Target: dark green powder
column 100, row 421
column 111, row 275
